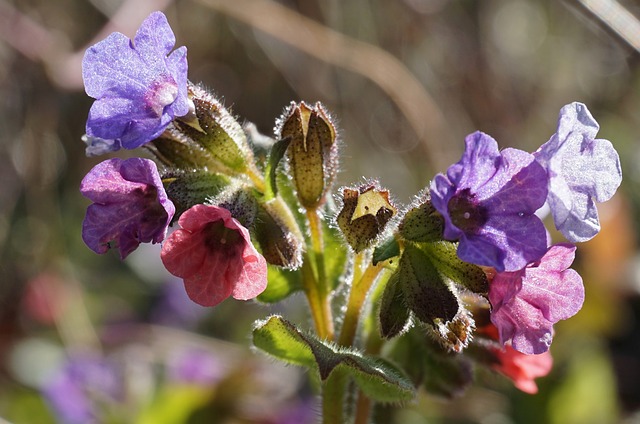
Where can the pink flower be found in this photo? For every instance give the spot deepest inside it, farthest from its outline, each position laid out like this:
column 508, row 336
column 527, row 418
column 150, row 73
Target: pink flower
column 528, row 302
column 214, row 255
column 523, row 369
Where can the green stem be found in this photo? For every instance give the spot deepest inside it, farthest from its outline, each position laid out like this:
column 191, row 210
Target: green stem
column 323, row 324
column 333, row 390
column 323, row 287
column 357, row 297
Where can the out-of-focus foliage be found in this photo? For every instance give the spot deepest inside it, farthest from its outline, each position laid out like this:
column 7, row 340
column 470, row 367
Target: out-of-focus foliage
column 501, row 66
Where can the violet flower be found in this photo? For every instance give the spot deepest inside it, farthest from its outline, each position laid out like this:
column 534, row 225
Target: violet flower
column 213, row 253
column 79, row 385
column 527, row 303
column 138, row 86
column 130, row 205
column 488, row 200
column 582, row 170
column 195, row 366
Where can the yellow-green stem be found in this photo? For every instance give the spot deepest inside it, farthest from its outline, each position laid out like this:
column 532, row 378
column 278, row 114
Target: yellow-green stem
column 255, row 178
column 359, row 290
column 323, row 286
column 323, row 324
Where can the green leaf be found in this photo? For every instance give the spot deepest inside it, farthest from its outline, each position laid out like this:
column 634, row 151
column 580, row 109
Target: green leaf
column 275, row 156
column 377, row 379
column 444, row 258
column 425, row 289
column 394, row 313
column 281, row 284
column 386, row 250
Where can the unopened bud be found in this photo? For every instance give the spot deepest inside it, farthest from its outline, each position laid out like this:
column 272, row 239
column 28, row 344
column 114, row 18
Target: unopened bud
column 278, row 235
column 364, row 215
column 312, row 152
column 216, row 131
column 454, row 335
column 422, row 224
column 189, row 189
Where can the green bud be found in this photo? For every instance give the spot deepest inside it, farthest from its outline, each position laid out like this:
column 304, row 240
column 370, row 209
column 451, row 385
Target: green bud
column 176, row 151
column 422, row 223
column 364, row 215
column 216, row 131
column 188, row 189
column 277, row 233
column 312, row 152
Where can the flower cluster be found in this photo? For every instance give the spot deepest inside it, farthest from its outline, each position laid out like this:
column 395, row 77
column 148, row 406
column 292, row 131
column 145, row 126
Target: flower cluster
column 474, row 236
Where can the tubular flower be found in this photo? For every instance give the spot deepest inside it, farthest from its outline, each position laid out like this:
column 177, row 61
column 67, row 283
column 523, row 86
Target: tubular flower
column 213, row 254
column 528, row 302
column 488, row 200
column 138, row 86
column 523, row 369
column 582, row 170
column 130, row 205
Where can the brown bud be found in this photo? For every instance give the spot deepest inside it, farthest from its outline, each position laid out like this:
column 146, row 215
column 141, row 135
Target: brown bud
column 364, row 215
column 312, row 152
column 278, row 235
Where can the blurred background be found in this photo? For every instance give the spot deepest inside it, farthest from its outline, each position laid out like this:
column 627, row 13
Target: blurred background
column 406, row 80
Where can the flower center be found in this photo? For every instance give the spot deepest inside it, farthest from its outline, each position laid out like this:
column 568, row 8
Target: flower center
column 465, row 213
column 218, row 237
column 163, row 94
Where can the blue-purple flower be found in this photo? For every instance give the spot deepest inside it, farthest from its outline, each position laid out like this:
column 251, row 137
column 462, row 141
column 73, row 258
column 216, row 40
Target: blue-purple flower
column 130, row 205
column 488, row 200
column 528, row 302
column 138, row 85
column 582, row 170
column 82, row 383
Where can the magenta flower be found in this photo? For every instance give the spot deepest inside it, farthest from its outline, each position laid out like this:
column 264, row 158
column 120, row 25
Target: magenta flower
column 528, row 302
column 488, row 200
column 214, row 256
column 130, row 205
column 138, row 86
column 582, row 170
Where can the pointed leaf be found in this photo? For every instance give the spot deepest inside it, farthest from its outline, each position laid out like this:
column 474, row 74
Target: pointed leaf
column 378, row 379
column 426, row 291
column 386, row 250
column 444, row 258
column 394, row 314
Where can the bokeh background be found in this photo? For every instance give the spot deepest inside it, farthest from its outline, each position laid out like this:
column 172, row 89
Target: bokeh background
column 406, row 80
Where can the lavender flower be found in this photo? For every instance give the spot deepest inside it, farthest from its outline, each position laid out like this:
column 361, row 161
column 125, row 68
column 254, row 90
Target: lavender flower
column 76, row 387
column 196, row 366
column 138, row 86
column 130, row 205
column 582, row 170
column 488, row 200
column 97, row 146
column 528, row 302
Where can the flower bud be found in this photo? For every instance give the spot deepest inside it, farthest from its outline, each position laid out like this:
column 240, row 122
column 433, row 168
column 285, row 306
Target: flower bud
column 364, row 215
column 422, row 223
column 278, row 235
column 312, row 152
column 189, row 189
column 216, row 131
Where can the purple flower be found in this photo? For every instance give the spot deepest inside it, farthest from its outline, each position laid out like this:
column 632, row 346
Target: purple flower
column 528, row 302
column 137, row 87
column 582, row 170
column 76, row 388
column 130, row 205
column 195, row 366
column 488, row 200
column 97, row 146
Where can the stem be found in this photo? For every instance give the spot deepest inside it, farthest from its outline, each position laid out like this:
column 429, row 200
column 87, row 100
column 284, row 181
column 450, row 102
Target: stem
column 358, row 294
column 255, row 178
column 363, row 407
column 333, row 398
column 323, row 289
column 324, row 326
